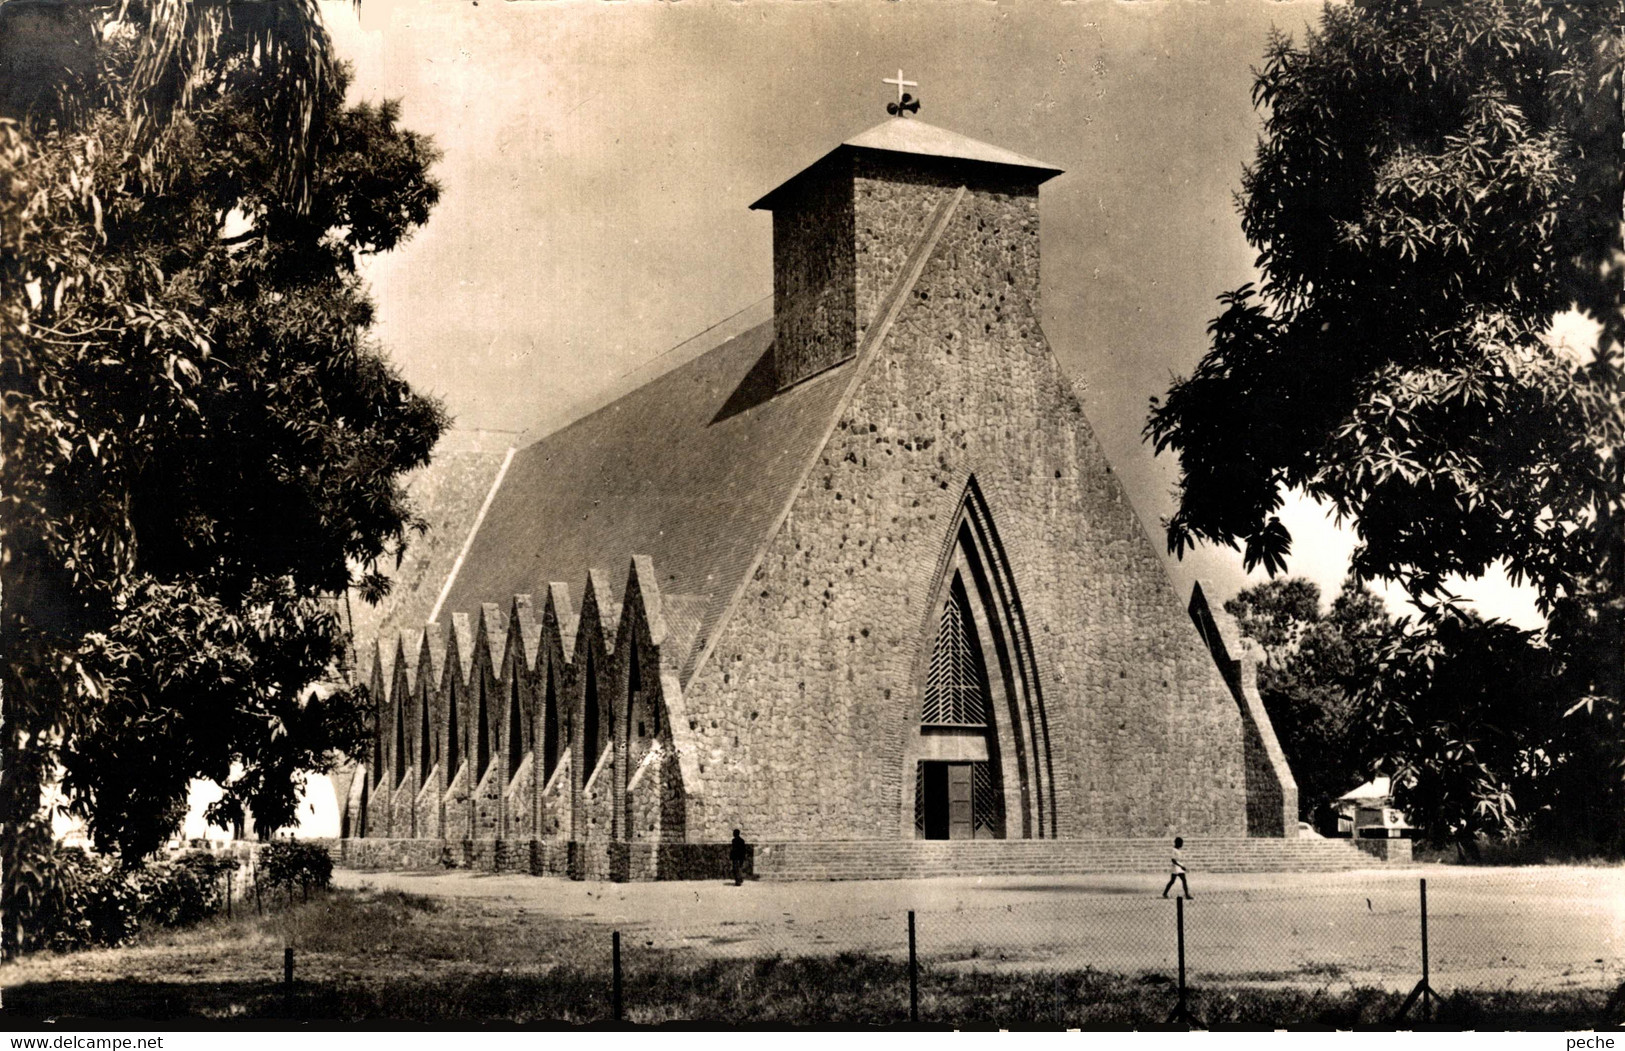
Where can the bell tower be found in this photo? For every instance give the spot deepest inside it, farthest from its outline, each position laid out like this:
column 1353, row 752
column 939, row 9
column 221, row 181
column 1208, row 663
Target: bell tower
column 843, row 228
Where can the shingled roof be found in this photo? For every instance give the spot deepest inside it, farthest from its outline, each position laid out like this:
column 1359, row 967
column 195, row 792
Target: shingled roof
column 692, row 469
column 447, row 494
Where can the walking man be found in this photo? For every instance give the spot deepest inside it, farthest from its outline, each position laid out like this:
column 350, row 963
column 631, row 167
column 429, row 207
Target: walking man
column 738, row 853
column 1177, row 871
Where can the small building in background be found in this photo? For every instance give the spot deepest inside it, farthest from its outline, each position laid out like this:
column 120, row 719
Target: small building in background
column 1366, row 813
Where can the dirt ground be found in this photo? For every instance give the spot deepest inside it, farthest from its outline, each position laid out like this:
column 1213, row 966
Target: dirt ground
column 1520, row 928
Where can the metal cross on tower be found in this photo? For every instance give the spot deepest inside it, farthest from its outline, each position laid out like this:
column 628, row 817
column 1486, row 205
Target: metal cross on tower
column 905, row 103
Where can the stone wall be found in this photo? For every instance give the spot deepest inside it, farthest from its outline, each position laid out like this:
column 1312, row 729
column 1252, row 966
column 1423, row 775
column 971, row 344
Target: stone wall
column 596, row 813
column 680, row 861
column 428, row 806
column 403, row 808
column 795, row 726
column 652, row 789
column 380, row 812
column 882, row 859
column 549, row 858
column 406, row 854
column 814, row 316
column 555, row 806
column 892, row 205
column 518, row 820
column 825, row 647
column 455, row 806
column 1272, row 791
column 488, row 804
column 499, row 855
column 1397, row 851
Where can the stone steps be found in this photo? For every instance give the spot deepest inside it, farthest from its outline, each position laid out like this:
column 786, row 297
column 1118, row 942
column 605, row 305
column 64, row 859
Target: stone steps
column 870, row 859
column 891, row 859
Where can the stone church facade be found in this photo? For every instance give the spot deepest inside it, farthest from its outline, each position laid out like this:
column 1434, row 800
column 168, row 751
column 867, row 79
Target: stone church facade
column 858, row 575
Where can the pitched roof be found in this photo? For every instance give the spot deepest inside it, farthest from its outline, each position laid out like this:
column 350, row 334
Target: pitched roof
column 919, row 139
column 691, row 469
column 525, row 621
column 434, row 651
column 1375, row 790
column 406, row 656
column 447, row 495
column 684, row 614
column 463, row 636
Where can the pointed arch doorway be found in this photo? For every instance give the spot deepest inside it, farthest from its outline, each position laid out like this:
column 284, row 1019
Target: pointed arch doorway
column 977, row 755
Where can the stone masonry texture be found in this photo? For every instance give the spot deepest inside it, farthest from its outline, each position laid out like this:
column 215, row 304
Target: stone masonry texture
column 824, row 649
column 953, row 445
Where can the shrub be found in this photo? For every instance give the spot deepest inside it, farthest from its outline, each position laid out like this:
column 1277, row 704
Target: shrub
column 188, row 889
column 290, row 863
column 90, row 900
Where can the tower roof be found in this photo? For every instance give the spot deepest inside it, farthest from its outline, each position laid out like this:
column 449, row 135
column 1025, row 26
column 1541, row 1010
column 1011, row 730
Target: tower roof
column 919, row 139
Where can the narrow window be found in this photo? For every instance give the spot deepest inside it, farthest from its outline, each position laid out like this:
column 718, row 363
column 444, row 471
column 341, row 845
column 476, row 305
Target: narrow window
column 454, row 752
column 550, row 728
column 634, row 686
column 589, row 724
column 425, row 748
column 378, row 750
column 516, row 728
column 482, row 749
column 400, row 746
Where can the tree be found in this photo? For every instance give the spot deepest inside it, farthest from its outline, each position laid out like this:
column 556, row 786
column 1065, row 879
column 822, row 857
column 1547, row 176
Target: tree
column 1453, row 715
column 201, row 446
column 52, row 71
column 1315, row 664
column 1434, row 185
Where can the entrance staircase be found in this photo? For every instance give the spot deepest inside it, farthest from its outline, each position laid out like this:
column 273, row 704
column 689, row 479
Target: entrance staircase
column 921, row 859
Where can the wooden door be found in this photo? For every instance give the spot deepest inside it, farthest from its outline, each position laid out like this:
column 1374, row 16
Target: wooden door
column 960, row 824
column 934, row 787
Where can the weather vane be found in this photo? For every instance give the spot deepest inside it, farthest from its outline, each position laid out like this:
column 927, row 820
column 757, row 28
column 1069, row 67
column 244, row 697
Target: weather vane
column 905, row 103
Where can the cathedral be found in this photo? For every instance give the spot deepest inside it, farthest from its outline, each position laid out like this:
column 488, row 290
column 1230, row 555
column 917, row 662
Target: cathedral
column 856, row 581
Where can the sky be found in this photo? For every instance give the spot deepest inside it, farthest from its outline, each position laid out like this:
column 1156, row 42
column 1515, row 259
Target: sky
column 598, row 160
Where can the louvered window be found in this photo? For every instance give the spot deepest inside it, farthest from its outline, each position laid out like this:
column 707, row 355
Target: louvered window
column 954, row 693
column 987, row 805
column 919, row 799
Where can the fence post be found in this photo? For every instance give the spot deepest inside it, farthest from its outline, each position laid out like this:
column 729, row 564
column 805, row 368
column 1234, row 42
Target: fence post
column 913, row 975
column 287, row 980
column 615, row 966
column 1179, row 921
column 1424, row 891
column 228, row 893
column 1181, row 1012
column 1424, row 990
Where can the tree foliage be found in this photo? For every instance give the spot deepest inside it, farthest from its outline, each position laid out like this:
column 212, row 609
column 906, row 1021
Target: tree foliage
column 1453, row 714
column 1315, row 665
column 53, row 72
column 1434, row 185
column 201, row 446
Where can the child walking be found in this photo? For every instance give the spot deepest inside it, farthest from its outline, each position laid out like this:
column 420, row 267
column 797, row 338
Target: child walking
column 1177, row 872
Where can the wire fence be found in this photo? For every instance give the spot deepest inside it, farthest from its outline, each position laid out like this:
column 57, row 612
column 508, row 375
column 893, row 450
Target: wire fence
column 1501, row 950
column 1365, row 933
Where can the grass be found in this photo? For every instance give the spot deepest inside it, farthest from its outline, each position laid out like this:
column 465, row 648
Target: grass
column 388, row 956
column 1517, row 852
